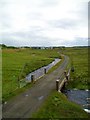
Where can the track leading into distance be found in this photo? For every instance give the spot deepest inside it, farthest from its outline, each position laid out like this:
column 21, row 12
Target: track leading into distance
column 23, row 105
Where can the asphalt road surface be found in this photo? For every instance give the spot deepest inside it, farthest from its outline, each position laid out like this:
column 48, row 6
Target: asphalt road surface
column 23, row 105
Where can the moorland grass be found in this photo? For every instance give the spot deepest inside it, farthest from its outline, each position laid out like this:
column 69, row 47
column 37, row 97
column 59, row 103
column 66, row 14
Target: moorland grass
column 79, row 60
column 0, row 75
column 17, row 63
column 58, row 106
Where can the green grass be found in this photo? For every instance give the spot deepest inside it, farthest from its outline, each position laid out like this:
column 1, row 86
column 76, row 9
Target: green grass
column 17, row 63
column 58, row 106
column 0, row 75
column 79, row 60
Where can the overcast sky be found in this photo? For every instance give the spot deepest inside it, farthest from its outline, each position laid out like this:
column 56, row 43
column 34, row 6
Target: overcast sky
column 44, row 22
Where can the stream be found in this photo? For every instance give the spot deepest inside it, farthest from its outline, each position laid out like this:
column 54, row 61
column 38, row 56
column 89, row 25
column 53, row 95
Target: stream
column 81, row 97
column 40, row 72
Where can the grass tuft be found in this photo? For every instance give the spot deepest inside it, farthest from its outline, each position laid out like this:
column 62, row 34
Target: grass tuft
column 58, row 106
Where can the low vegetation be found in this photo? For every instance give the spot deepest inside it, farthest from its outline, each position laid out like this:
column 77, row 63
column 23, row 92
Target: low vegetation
column 79, row 61
column 58, row 106
column 17, row 63
column 0, row 75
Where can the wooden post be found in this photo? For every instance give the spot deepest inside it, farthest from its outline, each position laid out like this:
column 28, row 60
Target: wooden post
column 66, row 77
column 32, row 78
column 63, row 87
column 57, row 85
column 65, row 73
column 45, row 71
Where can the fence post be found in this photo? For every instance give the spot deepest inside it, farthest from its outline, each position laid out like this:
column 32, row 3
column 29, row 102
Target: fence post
column 65, row 73
column 66, row 77
column 32, row 78
column 62, row 89
column 45, row 71
column 57, row 85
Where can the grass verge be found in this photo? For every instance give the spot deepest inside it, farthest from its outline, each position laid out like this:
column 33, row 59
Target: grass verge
column 58, row 106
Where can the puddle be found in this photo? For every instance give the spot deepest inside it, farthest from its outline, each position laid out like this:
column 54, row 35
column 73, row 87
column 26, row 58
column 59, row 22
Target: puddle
column 40, row 98
column 40, row 72
column 81, row 97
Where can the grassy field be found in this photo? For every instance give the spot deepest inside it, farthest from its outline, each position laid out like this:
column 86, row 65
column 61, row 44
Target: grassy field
column 17, row 63
column 0, row 75
column 79, row 60
column 58, row 106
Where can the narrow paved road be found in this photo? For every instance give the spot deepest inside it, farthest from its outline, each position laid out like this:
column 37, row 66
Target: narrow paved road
column 28, row 102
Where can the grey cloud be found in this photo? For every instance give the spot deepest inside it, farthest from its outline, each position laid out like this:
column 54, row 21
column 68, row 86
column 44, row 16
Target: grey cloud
column 77, row 42
column 33, row 41
column 22, row 39
column 30, row 38
column 33, row 36
column 34, row 31
column 80, row 41
column 64, row 23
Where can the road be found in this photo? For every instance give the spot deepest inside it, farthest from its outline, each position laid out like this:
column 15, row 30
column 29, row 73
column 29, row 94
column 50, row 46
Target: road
column 25, row 104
